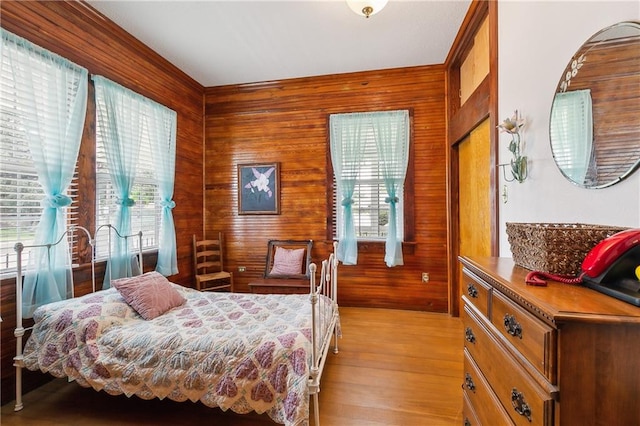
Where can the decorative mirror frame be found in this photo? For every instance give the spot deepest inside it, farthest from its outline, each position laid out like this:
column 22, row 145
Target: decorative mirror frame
column 594, row 126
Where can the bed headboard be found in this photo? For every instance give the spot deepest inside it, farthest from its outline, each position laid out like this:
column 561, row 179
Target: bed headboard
column 70, row 231
column 112, row 232
column 19, row 249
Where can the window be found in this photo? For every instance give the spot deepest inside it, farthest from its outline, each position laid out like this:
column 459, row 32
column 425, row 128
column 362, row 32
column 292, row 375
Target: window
column 146, row 212
column 370, row 211
column 369, row 161
column 20, row 191
column 571, row 132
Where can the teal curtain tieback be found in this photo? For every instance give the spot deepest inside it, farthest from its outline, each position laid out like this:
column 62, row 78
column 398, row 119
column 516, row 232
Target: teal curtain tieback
column 391, row 200
column 57, row 201
column 169, row 204
column 126, row 202
column 347, row 202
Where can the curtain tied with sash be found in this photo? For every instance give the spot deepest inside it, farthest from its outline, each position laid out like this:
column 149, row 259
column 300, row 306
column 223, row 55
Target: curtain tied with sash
column 128, row 120
column 54, row 96
column 348, row 134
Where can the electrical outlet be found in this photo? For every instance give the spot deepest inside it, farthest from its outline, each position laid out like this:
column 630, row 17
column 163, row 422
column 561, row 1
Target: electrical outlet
column 241, row 268
column 425, row 277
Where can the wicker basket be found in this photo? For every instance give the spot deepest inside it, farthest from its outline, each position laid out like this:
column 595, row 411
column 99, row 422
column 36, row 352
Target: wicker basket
column 557, row 248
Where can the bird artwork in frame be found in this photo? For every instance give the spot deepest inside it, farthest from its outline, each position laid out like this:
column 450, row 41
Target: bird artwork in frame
column 259, row 188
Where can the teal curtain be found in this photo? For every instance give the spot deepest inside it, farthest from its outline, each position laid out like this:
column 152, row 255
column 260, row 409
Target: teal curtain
column 346, row 151
column 55, row 99
column 162, row 131
column 120, row 115
column 390, row 130
column 571, row 132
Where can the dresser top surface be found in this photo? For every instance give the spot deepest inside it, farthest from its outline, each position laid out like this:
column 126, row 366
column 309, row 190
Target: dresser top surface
column 556, row 302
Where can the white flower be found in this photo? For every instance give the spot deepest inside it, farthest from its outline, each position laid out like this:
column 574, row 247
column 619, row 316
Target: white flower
column 512, row 125
column 262, row 183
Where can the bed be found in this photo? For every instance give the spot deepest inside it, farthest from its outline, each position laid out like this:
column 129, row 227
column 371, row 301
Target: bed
column 236, row 351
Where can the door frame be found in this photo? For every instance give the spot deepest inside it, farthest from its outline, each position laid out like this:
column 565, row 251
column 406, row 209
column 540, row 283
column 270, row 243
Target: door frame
column 461, row 119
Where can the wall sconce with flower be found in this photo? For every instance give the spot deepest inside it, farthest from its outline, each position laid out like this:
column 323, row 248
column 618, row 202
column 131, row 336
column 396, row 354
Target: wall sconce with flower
column 518, row 164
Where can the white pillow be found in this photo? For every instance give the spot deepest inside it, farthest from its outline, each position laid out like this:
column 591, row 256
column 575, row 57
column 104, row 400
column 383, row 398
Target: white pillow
column 287, row 261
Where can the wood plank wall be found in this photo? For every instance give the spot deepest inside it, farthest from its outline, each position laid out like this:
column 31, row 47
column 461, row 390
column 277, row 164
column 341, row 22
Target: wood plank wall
column 283, row 121
column 79, row 33
column 287, row 122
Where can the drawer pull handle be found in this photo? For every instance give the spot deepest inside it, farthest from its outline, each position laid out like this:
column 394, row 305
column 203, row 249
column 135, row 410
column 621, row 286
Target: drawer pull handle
column 469, row 336
column 472, row 290
column 512, row 326
column 467, row 422
column 521, row 407
column 468, row 383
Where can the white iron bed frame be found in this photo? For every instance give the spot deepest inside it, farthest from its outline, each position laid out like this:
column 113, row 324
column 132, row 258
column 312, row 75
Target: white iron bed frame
column 19, row 332
column 327, row 287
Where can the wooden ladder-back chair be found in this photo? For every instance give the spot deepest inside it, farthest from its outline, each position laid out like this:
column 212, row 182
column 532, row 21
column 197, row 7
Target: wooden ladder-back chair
column 208, row 265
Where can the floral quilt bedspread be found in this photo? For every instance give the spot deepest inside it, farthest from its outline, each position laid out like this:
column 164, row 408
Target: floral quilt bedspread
column 235, row 351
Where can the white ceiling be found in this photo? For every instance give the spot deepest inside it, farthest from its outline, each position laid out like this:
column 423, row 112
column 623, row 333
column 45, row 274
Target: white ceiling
column 230, row 42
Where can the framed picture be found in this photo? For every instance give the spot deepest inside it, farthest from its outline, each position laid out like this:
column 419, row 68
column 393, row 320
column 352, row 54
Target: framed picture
column 259, row 188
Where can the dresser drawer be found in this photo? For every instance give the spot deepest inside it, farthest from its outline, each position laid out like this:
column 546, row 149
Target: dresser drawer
column 477, row 292
column 468, row 414
column 483, row 407
column 530, row 336
column 526, row 402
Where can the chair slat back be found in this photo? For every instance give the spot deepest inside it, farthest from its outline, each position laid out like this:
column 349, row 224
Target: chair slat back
column 272, row 246
column 208, row 255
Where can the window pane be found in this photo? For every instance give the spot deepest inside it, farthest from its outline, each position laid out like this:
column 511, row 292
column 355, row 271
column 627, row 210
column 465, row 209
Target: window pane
column 370, row 211
column 146, row 213
column 20, row 192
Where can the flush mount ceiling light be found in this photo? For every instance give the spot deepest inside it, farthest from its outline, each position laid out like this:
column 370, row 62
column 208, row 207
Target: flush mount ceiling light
column 366, row 8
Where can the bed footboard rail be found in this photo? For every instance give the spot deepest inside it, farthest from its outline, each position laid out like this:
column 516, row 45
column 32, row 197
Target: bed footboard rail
column 323, row 297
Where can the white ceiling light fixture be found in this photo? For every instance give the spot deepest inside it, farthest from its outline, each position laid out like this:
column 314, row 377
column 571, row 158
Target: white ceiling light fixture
column 367, row 8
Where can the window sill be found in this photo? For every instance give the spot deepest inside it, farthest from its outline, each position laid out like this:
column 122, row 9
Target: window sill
column 370, row 246
column 378, row 246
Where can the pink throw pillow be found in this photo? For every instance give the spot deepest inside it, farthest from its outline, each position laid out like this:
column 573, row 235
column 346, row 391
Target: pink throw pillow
column 287, row 261
column 150, row 294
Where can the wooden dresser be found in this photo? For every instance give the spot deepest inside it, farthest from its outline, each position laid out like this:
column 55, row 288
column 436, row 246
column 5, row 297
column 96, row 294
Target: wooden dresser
column 556, row 355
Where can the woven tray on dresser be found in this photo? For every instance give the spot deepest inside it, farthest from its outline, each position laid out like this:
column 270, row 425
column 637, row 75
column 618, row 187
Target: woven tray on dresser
column 557, row 248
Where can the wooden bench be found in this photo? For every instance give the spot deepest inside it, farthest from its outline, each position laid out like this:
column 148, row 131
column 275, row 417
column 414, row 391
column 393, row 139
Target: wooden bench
column 284, row 283
column 280, row 286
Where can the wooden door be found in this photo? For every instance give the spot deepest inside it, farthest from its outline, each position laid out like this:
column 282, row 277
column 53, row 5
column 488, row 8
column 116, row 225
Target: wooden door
column 474, row 177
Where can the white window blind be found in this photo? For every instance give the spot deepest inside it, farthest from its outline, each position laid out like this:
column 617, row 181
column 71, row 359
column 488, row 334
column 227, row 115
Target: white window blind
column 145, row 214
column 20, row 192
column 370, row 211
column 571, row 132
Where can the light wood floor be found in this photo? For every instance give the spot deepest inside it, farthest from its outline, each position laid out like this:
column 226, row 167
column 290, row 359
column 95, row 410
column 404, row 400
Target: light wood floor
column 394, row 368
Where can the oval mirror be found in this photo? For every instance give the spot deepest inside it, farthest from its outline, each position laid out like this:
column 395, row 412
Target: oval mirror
column 594, row 126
